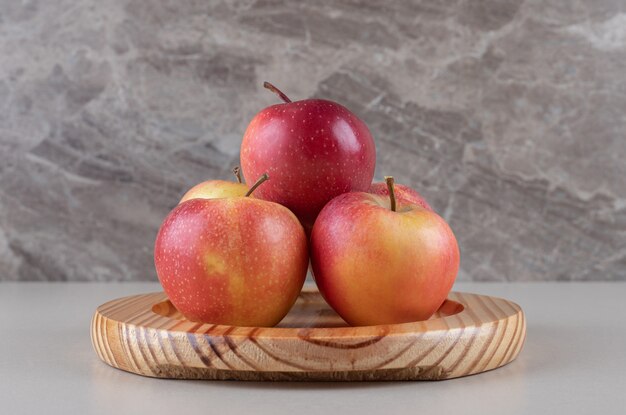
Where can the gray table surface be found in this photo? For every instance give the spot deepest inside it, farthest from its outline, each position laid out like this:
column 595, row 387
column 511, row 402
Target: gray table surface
column 573, row 362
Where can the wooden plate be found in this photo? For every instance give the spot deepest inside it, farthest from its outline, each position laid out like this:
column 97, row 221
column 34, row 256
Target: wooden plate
column 470, row 333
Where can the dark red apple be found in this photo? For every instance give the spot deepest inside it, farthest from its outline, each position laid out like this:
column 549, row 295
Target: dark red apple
column 313, row 149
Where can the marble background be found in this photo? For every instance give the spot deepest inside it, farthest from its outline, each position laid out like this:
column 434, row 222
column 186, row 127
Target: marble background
column 509, row 116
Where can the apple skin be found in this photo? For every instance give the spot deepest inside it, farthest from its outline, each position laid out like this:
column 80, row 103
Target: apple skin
column 233, row 261
column 215, row 189
column 313, row 150
column 404, row 193
column 375, row 266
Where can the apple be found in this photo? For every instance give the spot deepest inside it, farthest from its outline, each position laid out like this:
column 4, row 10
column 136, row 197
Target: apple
column 235, row 261
column 378, row 260
column 314, row 150
column 402, row 192
column 215, row 189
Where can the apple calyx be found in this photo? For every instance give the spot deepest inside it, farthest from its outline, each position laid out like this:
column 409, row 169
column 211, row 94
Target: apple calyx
column 237, row 173
column 392, row 193
column 277, row 91
column 261, row 179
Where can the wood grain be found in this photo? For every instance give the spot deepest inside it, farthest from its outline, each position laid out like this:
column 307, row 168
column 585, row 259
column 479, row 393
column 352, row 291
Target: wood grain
column 470, row 333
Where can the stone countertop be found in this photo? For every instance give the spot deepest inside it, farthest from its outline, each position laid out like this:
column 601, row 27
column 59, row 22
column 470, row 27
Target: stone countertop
column 573, row 362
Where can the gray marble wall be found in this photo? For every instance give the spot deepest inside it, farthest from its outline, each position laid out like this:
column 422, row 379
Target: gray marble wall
column 509, row 116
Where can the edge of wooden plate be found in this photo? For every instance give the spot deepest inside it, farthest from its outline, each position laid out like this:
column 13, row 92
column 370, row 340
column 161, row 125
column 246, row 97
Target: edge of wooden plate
column 487, row 333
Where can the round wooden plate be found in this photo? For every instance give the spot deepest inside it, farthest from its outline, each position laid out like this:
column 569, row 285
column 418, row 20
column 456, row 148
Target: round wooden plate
column 470, row 333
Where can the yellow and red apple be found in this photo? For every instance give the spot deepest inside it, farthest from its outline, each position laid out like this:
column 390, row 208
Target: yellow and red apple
column 235, row 261
column 378, row 260
column 215, row 189
column 402, row 193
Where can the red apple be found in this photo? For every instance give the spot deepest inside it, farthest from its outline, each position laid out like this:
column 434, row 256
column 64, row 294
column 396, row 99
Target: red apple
column 235, row 261
column 402, row 193
column 378, row 263
column 314, row 150
column 215, row 189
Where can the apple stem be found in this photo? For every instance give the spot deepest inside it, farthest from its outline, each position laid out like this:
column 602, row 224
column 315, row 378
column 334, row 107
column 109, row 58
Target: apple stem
column 276, row 91
column 237, row 173
column 392, row 193
column 263, row 178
